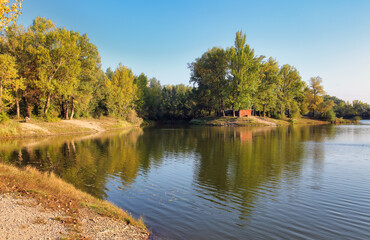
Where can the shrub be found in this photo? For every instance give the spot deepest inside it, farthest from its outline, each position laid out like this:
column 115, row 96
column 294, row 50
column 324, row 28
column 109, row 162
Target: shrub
column 357, row 118
column 51, row 118
column 330, row 116
column 3, row 117
column 133, row 118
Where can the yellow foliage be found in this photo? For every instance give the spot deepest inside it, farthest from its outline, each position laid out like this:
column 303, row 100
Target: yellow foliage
column 9, row 13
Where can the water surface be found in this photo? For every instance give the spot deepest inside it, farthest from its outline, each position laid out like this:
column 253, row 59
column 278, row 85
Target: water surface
column 221, row 182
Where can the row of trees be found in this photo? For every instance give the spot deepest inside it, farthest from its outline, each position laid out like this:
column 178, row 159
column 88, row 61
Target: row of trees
column 50, row 71
column 236, row 78
column 56, row 73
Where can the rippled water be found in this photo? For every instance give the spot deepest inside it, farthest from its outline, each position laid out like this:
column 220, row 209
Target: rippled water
column 221, row 183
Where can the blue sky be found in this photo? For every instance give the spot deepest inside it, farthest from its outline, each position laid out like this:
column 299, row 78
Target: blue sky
column 327, row 38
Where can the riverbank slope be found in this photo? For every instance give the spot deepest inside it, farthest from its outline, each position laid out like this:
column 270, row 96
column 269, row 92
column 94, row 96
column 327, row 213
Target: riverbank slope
column 40, row 128
column 42, row 205
column 254, row 121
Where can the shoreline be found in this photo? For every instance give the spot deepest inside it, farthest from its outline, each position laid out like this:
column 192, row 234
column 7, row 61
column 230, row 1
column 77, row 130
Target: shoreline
column 254, row 121
column 60, row 208
column 37, row 128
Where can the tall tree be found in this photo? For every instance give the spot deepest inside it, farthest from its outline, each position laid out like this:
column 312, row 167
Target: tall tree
column 315, row 94
column 122, row 92
column 289, row 88
column 153, row 99
column 58, row 57
column 90, row 73
column 265, row 99
column 210, row 74
column 141, row 83
column 244, row 67
column 19, row 43
column 8, row 74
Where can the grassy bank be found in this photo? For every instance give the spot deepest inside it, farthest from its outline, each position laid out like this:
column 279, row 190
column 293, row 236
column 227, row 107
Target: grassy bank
column 55, row 194
column 37, row 127
column 253, row 121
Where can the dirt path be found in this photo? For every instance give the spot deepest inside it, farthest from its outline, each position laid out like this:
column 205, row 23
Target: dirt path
column 85, row 124
column 264, row 121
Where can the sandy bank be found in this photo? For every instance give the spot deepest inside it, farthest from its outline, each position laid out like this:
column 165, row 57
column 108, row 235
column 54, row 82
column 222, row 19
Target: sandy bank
column 38, row 128
column 35, row 205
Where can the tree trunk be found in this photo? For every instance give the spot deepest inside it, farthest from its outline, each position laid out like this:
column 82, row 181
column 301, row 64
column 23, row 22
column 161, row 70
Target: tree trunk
column 223, row 113
column 233, row 113
column 28, row 108
column 66, row 111
column 47, row 104
column 264, row 112
column 72, row 109
column 18, row 110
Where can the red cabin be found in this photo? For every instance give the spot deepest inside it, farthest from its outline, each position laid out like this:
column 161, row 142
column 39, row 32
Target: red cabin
column 245, row 113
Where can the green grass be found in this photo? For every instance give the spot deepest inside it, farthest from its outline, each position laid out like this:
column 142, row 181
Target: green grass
column 9, row 128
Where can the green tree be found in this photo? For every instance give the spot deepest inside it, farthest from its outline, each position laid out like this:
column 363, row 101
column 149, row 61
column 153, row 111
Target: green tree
column 59, row 66
column 20, row 44
column 244, row 67
column 141, row 83
column 290, row 88
column 265, row 99
column 90, row 74
column 315, row 94
column 153, row 99
column 209, row 73
column 121, row 92
column 8, row 74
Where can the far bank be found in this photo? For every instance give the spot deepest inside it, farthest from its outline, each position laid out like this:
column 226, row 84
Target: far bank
column 254, row 121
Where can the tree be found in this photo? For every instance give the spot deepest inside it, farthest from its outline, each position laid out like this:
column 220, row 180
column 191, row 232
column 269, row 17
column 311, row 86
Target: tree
column 58, row 58
column 265, row 99
column 209, row 73
column 153, row 99
column 315, row 94
column 244, row 67
column 121, row 92
column 19, row 43
column 141, row 83
column 8, row 74
column 9, row 13
column 89, row 76
column 290, row 89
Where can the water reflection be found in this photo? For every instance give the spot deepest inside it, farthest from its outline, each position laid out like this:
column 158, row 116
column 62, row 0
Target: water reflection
column 195, row 182
column 230, row 160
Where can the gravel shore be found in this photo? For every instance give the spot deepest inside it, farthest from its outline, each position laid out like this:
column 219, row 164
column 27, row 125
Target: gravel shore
column 24, row 218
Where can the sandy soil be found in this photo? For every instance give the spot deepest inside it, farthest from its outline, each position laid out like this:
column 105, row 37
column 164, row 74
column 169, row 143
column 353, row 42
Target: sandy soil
column 23, row 218
column 33, row 128
column 85, row 124
column 264, row 121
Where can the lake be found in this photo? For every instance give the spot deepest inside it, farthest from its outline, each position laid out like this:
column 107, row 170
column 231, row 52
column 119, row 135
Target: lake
column 300, row 182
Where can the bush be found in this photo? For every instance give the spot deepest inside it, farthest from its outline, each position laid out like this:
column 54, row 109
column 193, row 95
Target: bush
column 330, row 116
column 3, row 117
column 357, row 118
column 133, row 118
column 51, row 118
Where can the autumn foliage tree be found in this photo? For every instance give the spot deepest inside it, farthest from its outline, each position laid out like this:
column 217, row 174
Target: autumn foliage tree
column 9, row 13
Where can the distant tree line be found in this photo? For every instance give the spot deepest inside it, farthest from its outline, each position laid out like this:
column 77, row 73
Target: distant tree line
column 53, row 73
